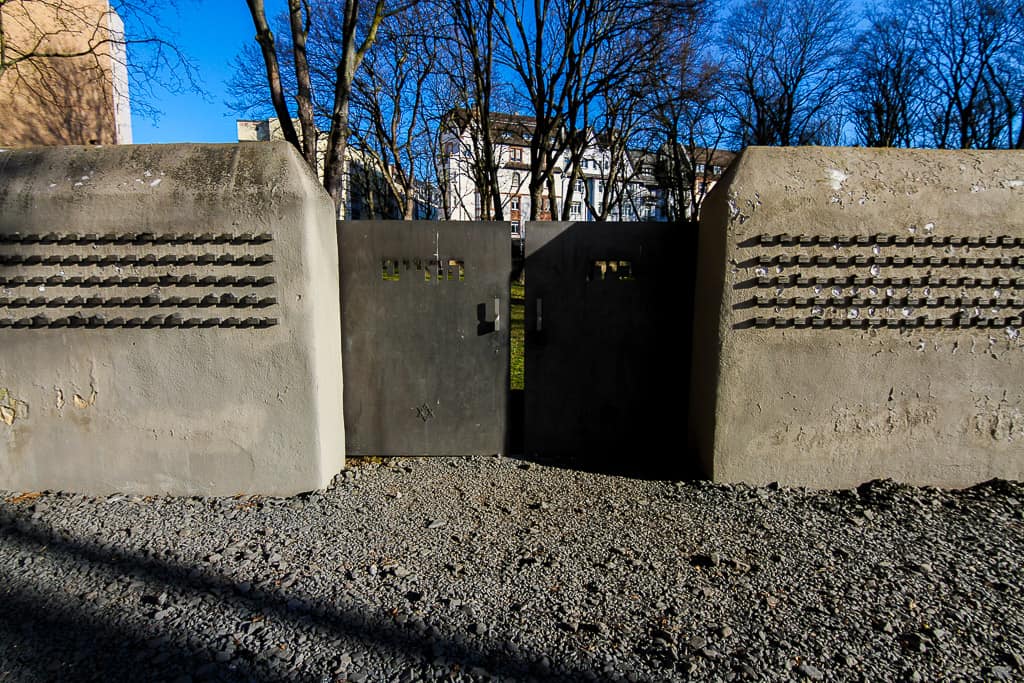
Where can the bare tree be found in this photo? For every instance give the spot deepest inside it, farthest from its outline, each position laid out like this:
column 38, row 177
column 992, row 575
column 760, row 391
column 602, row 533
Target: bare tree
column 784, row 78
column 608, row 77
column 53, row 51
column 344, row 34
column 691, row 127
column 468, row 72
column 268, row 49
column 566, row 54
column 536, row 48
column 389, row 118
column 688, row 117
column 1007, row 86
column 972, row 51
column 616, row 132
column 887, row 72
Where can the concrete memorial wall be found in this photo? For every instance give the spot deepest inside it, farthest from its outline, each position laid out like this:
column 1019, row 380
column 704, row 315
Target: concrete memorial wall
column 859, row 315
column 169, row 321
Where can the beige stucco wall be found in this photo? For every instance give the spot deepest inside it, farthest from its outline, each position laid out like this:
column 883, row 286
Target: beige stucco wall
column 920, row 391
column 103, row 404
column 60, row 101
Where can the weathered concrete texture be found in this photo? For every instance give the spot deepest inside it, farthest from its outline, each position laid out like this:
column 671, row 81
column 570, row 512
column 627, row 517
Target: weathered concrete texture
column 858, row 316
column 176, row 327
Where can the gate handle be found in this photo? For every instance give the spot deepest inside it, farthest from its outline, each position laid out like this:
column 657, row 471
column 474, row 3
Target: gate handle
column 485, row 326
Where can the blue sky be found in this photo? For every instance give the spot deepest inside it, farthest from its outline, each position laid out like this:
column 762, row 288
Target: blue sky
column 211, row 32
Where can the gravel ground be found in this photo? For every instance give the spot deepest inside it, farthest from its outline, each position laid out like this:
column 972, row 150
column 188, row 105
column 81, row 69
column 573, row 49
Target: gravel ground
column 497, row 569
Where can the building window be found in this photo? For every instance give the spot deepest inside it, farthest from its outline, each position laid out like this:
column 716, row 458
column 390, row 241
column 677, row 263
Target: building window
column 513, row 204
column 515, row 227
column 575, row 210
column 717, row 170
column 700, row 168
column 579, row 187
column 517, row 154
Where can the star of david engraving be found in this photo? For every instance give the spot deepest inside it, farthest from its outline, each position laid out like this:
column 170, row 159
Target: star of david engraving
column 424, row 412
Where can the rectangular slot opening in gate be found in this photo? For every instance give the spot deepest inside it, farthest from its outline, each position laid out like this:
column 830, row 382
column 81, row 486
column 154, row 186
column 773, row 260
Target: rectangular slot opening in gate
column 612, row 270
column 447, row 270
column 456, row 269
column 389, row 270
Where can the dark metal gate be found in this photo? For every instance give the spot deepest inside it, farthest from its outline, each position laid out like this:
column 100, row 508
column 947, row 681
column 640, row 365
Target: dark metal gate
column 425, row 334
column 608, row 311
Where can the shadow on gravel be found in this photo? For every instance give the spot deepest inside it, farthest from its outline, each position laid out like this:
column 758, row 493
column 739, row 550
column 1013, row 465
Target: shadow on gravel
column 50, row 624
column 629, row 465
column 43, row 633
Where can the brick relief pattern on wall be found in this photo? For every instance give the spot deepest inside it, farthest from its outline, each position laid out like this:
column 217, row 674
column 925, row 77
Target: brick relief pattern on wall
column 883, row 280
column 136, row 280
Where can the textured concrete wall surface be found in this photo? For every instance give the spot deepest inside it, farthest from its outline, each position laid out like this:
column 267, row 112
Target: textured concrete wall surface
column 858, row 315
column 169, row 321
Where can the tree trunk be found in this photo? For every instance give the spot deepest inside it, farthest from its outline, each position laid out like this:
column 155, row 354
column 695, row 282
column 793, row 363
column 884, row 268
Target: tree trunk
column 535, row 189
column 304, row 96
column 446, row 200
column 536, row 178
column 495, row 191
column 490, row 192
column 570, row 190
column 337, row 142
column 265, row 38
column 552, row 195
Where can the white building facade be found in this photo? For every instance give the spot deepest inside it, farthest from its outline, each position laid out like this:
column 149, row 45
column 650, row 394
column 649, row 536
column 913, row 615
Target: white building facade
column 512, row 157
column 636, row 195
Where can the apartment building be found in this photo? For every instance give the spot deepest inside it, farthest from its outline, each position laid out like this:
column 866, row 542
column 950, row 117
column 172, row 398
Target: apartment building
column 639, row 192
column 63, row 99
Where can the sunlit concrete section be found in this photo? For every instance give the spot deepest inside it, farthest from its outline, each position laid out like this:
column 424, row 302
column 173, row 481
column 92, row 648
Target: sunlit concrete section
column 859, row 316
column 169, row 321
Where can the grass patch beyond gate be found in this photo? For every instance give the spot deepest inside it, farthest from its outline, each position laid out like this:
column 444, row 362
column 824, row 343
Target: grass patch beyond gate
column 516, row 335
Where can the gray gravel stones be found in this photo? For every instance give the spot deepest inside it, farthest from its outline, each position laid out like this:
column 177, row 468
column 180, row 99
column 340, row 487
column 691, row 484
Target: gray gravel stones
column 473, row 569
